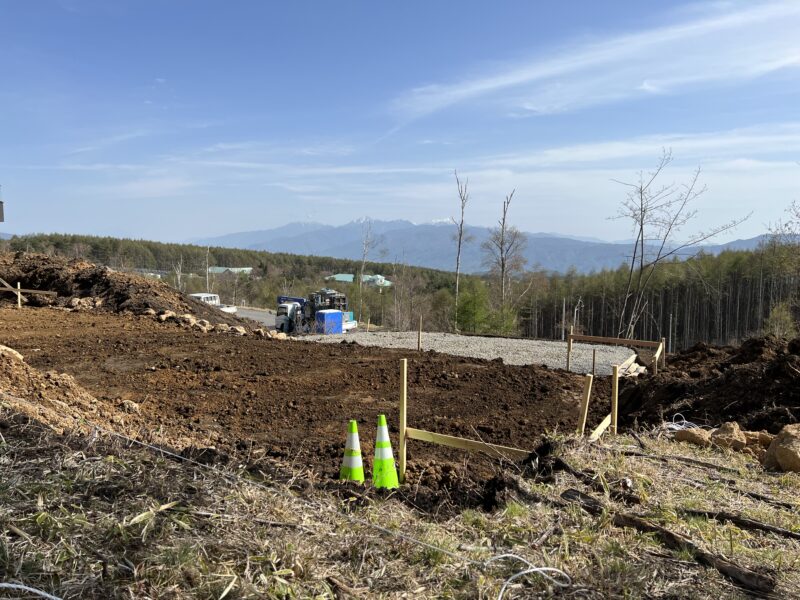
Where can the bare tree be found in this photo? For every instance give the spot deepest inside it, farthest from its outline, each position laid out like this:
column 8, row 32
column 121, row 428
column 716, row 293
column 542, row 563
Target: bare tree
column 368, row 243
column 460, row 236
column 658, row 213
column 504, row 252
column 178, row 268
column 208, row 256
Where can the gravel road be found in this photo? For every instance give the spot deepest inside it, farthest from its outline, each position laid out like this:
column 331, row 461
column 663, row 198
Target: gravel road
column 512, row 351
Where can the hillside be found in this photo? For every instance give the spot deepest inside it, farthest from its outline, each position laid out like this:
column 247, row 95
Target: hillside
column 430, row 245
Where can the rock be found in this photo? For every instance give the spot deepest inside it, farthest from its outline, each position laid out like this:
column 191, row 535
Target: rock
column 165, row 314
column 11, row 352
column 130, row 406
column 729, row 436
column 187, row 319
column 238, row 330
column 280, row 336
column 765, row 439
column 784, row 451
column 259, row 333
column 223, row 327
column 148, row 312
column 694, row 435
column 751, row 437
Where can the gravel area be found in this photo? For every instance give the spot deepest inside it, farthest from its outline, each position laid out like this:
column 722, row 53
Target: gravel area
column 512, row 351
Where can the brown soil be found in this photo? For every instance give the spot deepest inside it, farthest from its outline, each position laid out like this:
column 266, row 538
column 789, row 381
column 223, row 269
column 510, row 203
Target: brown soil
column 114, row 291
column 290, row 400
column 757, row 385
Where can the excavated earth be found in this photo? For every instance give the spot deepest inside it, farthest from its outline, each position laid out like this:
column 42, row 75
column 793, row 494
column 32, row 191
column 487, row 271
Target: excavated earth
column 289, row 400
column 756, row 384
column 99, row 287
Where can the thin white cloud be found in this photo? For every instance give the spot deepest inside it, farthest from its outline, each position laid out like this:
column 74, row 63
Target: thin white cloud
column 748, row 142
column 747, row 42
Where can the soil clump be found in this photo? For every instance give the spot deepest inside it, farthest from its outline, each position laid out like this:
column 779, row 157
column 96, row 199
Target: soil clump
column 756, row 385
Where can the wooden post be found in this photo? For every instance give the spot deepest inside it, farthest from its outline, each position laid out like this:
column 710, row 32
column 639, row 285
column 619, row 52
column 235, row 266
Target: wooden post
column 587, row 392
column 401, row 445
column 367, row 324
column 419, row 335
column 594, row 360
column 19, row 296
column 614, row 398
column 663, row 352
column 569, row 348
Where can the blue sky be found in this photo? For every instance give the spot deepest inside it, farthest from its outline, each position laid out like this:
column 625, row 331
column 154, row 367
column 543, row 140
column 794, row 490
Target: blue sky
column 188, row 118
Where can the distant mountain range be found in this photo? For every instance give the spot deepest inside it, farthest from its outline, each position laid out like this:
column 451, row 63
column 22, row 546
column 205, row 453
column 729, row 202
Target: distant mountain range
column 431, row 245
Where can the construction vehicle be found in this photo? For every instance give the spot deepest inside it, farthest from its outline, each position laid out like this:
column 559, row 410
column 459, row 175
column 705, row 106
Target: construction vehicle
column 298, row 315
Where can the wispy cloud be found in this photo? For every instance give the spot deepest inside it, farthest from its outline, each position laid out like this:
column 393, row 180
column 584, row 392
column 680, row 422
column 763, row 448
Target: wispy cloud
column 111, row 140
column 747, row 142
column 725, row 46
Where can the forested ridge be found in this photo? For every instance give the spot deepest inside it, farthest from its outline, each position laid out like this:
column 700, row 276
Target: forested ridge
column 716, row 299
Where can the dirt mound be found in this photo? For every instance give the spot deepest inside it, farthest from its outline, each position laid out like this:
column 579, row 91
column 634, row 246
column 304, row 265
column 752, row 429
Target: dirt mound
column 756, row 385
column 81, row 284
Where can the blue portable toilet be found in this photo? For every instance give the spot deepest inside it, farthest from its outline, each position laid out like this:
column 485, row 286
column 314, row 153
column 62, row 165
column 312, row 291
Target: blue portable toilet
column 329, row 321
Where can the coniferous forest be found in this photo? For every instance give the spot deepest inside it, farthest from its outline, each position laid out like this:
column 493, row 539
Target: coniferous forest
column 715, row 299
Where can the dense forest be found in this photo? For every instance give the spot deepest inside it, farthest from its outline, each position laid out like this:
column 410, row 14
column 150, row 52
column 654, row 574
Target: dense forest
column 717, row 299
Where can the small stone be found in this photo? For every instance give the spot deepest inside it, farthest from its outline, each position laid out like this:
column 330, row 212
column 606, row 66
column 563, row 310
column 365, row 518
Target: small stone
column 148, row 312
column 765, row 439
column 729, row 435
column 694, row 435
column 130, row 406
column 165, row 314
column 784, row 451
column 238, row 330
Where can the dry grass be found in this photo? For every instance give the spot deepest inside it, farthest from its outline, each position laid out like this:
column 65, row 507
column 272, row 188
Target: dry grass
column 96, row 518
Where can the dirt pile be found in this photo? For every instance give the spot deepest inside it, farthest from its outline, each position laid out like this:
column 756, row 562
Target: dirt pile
column 82, row 285
column 52, row 398
column 756, row 385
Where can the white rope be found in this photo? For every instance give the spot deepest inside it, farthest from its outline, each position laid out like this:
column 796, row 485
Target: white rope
column 24, row 588
column 530, row 568
column 566, row 581
column 679, row 425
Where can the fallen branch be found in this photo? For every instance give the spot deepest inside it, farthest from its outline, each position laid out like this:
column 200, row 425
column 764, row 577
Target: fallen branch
column 750, row 580
column 740, row 521
column 684, row 459
column 754, row 495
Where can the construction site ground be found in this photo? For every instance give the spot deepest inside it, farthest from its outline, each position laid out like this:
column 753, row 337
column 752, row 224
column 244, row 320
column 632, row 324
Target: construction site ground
column 292, row 399
column 236, row 493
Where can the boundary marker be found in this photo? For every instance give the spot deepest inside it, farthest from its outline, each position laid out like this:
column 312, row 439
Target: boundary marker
column 411, row 433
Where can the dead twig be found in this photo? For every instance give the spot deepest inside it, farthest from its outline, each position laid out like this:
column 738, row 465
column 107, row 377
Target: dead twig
column 675, row 457
column 740, row 521
column 750, row 580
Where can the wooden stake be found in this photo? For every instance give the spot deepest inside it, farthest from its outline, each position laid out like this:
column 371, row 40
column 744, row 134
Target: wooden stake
column 19, row 296
column 614, row 398
column 367, row 324
column 663, row 352
column 569, row 347
column 595, row 435
column 419, row 335
column 587, row 392
column 594, row 360
column 401, row 445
